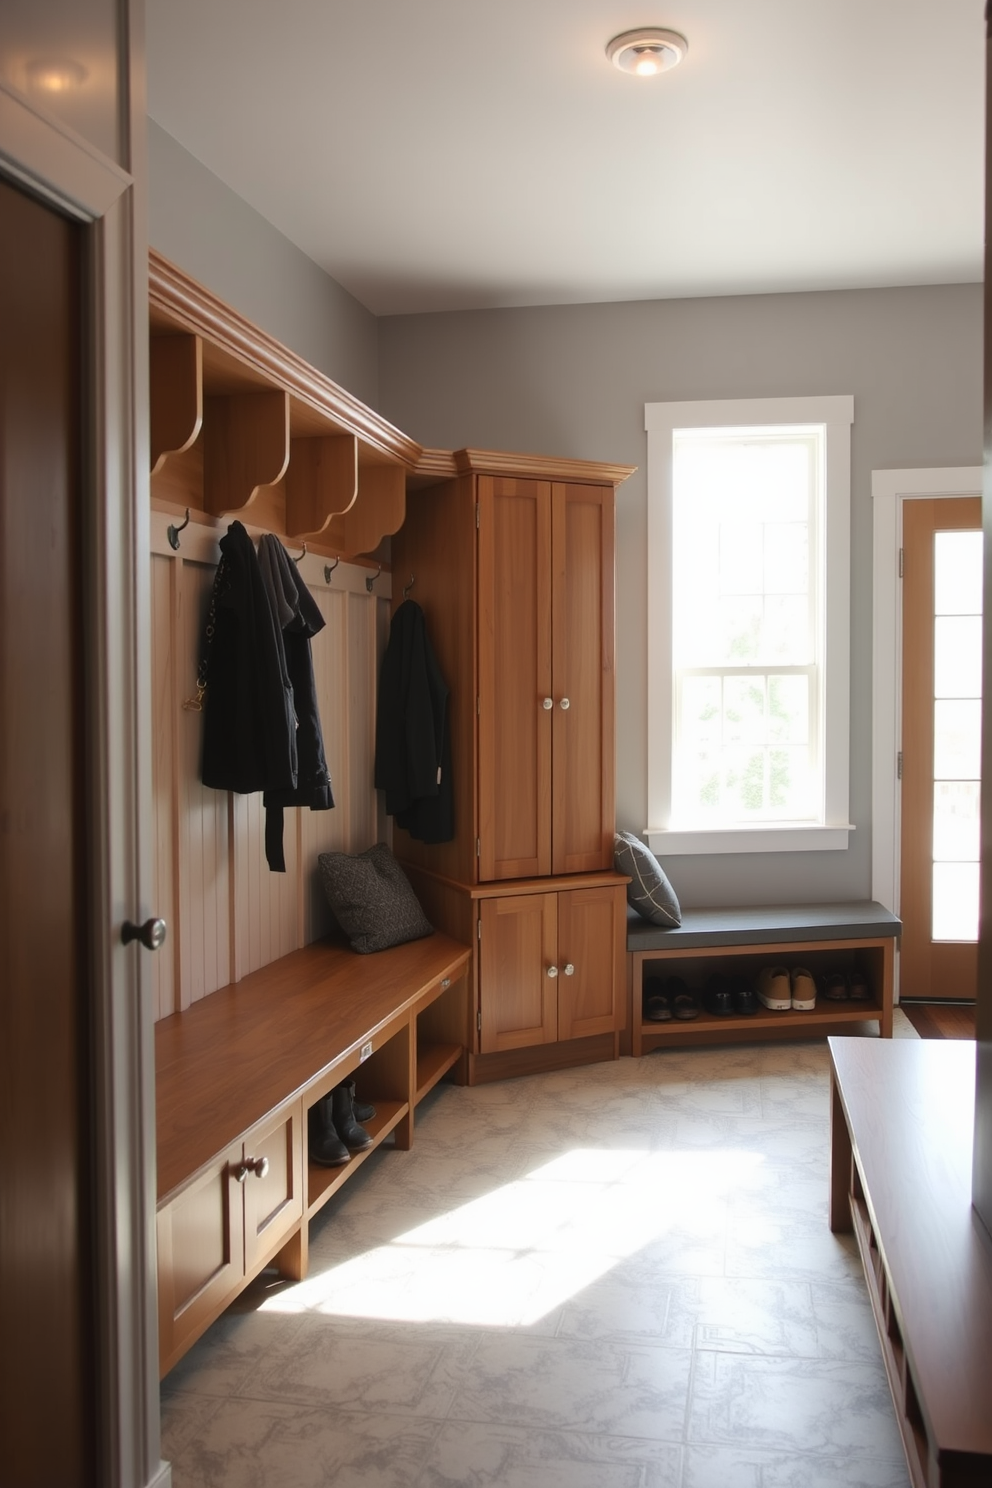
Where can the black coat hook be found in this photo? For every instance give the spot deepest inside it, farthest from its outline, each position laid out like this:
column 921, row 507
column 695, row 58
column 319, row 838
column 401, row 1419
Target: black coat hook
column 172, row 532
column 408, row 587
column 370, row 583
column 329, row 569
column 302, row 555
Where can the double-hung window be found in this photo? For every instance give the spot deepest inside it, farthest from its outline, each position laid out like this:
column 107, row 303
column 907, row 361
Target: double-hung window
column 748, row 624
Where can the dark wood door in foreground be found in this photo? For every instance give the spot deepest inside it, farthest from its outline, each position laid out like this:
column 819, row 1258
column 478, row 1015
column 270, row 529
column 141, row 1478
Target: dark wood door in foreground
column 941, row 732
column 47, row 1325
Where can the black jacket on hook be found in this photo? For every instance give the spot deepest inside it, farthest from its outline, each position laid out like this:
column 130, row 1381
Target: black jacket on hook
column 412, row 735
column 249, row 726
column 298, row 619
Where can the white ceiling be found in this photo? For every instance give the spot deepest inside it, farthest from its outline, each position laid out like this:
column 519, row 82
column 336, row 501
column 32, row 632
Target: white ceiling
column 445, row 154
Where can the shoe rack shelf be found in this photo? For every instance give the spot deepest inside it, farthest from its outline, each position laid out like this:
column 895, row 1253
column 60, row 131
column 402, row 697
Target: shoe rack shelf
column 822, row 938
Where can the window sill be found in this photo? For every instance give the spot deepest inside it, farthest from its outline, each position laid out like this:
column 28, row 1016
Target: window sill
column 668, row 843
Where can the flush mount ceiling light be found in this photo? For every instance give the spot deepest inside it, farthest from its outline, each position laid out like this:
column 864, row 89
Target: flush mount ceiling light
column 56, row 75
column 647, row 51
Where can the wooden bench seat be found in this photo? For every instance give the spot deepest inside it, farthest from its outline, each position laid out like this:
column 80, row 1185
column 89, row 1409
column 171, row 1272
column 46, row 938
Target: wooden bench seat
column 823, row 937
column 236, row 1075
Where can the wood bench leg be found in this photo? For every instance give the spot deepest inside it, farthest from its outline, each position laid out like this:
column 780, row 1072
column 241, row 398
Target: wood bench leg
column 293, row 1261
column 841, row 1158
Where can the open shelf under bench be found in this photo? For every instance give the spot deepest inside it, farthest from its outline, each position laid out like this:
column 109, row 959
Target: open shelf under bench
column 821, row 937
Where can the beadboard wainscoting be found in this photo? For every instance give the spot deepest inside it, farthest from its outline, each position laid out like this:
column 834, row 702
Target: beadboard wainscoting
column 227, row 913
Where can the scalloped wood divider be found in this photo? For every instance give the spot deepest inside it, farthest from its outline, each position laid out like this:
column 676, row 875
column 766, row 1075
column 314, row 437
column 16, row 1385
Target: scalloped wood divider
column 176, row 387
column 313, row 462
column 378, row 512
column 245, row 448
column 321, row 483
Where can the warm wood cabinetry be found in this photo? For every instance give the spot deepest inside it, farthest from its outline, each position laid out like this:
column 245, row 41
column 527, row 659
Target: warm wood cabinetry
column 514, row 568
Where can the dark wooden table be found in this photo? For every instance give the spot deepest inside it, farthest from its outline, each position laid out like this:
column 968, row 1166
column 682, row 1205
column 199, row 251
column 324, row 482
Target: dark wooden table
column 902, row 1116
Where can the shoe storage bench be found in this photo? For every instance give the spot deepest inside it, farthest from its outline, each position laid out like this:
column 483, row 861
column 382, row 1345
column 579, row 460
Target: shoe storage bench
column 902, row 1137
column 236, row 1075
column 822, row 937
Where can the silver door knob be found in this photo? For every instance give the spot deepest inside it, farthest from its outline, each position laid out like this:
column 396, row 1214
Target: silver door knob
column 548, row 703
column 569, row 969
column 151, row 934
column 564, row 704
column 552, row 971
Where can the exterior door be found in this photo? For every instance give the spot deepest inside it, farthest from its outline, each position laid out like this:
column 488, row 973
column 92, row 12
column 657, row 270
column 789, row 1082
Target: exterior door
column 941, row 746
column 583, row 681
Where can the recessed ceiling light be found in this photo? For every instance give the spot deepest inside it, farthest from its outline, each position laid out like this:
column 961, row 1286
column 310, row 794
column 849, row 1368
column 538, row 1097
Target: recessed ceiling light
column 647, row 51
column 56, row 75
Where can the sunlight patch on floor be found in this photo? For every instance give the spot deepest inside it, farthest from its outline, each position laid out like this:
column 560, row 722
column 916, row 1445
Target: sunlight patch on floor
column 509, row 1258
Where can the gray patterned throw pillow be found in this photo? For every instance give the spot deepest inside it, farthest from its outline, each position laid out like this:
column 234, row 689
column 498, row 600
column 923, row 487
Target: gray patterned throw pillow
column 649, row 891
column 372, row 899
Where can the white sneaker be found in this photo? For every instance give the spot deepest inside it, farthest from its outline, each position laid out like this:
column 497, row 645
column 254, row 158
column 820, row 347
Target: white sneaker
column 803, row 990
column 774, row 988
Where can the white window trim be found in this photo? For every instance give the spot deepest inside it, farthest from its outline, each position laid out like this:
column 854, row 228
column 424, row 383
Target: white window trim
column 660, row 421
column 889, row 490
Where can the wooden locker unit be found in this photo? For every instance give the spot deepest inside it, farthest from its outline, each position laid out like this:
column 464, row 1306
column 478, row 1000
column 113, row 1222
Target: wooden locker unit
column 512, row 560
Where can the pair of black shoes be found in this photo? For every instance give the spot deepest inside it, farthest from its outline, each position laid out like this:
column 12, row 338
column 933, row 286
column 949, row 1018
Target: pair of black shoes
column 333, row 1126
column 729, row 996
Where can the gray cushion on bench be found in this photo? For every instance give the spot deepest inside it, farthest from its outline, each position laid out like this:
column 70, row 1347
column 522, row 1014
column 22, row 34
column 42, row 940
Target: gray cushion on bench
column 372, row 899
column 850, row 919
column 649, row 891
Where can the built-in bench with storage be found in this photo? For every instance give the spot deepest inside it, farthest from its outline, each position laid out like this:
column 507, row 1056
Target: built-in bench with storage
column 236, row 1075
column 856, row 934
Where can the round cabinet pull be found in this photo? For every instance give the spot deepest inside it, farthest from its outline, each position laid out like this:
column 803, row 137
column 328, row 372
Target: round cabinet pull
column 548, row 703
column 552, row 971
column 569, row 969
column 241, row 1172
column 151, row 933
column 445, row 982
column 259, row 1166
column 565, row 705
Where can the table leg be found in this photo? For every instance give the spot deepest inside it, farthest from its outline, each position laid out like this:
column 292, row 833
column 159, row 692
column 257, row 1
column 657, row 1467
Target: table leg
column 841, row 1158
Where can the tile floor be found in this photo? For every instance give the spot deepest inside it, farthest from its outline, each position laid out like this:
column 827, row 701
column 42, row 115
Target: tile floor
column 613, row 1277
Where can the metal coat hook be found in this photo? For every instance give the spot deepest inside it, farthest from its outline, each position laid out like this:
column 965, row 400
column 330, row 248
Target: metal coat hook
column 408, row 587
column 172, row 532
column 302, row 555
column 370, row 583
column 329, row 569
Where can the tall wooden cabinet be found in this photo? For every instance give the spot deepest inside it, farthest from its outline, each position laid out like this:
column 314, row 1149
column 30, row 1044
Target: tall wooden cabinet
column 513, row 563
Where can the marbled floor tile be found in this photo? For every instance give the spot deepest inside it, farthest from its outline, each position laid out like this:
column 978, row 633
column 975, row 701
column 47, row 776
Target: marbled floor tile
column 185, row 1418
column 750, row 1317
column 223, row 1359
column 783, row 1098
column 793, row 1405
column 734, row 1467
column 845, row 1323
column 402, row 1371
column 469, row 1455
column 263, row 1444
column 564, row 1384
column 629, row 1304
column 775, row 1246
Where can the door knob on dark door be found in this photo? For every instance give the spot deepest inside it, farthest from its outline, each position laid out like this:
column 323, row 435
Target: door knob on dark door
column 151, row 933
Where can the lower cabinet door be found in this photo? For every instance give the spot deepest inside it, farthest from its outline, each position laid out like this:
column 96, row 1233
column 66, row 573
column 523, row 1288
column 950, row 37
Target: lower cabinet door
column 200, row 1255
column 518, row 971
column 272, row 1185
column 591, row 935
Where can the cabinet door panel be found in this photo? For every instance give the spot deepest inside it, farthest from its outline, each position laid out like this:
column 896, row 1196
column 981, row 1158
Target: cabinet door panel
column 583, row 748
column 200, row 1256
column 514, row 678
column 273, row 1204
column 590, row 939
column 519, row 944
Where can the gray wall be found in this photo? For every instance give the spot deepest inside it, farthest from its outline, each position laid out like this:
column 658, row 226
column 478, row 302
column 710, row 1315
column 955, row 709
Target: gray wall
column 215, row 236
column 573, row 380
